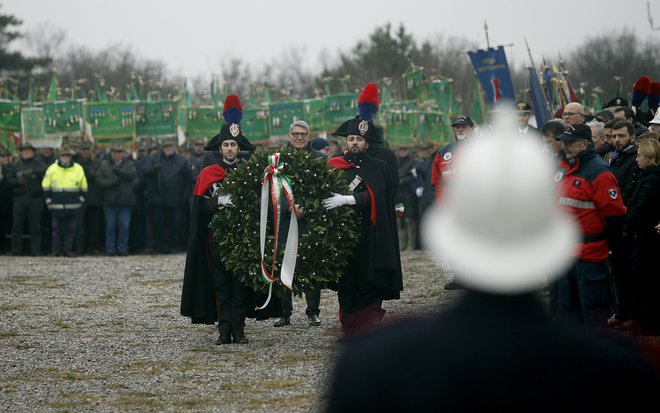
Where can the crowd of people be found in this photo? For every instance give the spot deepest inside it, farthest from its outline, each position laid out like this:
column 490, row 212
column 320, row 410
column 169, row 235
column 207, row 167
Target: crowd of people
column 87, row 200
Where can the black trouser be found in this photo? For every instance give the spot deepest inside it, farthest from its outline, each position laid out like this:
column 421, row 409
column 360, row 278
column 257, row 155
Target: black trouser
column 137, row 241
column 30, row 208
column 79, row 241
column 94, row 229
column 165, row 223
column 230, row 293
column 5, row 225
column 620, row 264
column 313, row 300
column 64, row 230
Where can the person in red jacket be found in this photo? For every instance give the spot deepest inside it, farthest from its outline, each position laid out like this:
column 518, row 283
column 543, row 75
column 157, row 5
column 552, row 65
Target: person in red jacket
column 443, row 163
column 443, row 167
column 590, row 192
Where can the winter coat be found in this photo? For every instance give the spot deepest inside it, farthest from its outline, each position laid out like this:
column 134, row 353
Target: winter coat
column 117, row 182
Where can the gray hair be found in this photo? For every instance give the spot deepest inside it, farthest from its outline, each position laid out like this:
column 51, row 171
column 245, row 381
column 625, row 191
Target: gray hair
column 600, row 127
column 300, row 123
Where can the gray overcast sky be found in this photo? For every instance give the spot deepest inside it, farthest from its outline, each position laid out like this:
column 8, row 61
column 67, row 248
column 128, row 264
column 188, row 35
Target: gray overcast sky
column 192, row 36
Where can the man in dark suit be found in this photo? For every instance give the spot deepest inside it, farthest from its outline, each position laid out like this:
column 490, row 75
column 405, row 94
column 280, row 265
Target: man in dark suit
column 496, row 349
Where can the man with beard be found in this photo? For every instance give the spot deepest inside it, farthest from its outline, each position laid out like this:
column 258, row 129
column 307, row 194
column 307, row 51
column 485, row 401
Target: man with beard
column 210, row 291
column 374, row 271
column 626, row 171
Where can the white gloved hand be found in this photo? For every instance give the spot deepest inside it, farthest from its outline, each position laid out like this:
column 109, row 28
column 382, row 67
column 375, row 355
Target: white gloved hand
column 224, row 200
column 413, row 171
column 337, row 200
column 419, row 191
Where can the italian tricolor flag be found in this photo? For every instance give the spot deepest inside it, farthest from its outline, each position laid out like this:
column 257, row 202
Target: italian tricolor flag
column 399, row 209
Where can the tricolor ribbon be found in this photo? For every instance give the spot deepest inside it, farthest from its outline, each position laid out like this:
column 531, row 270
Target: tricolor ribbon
column 275, row 184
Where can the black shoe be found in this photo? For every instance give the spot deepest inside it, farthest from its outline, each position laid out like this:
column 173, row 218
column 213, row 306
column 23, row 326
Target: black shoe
column 69, row 254
column 239, row 338
column 223, row 339
column 281, row 322
column 453, row 285
column 314, row 320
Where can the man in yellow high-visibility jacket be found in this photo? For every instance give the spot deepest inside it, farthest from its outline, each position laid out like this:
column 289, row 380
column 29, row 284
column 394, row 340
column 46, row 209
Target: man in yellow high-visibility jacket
column 64, row 188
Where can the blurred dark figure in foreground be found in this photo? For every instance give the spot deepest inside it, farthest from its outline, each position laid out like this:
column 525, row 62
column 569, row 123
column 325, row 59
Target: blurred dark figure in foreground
column 497, row 349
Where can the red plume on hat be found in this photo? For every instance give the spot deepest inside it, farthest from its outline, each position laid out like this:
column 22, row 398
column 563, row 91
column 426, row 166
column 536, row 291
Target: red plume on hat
column 641, row 90
column 232, row 112
column 653, row 99
column 368, row 102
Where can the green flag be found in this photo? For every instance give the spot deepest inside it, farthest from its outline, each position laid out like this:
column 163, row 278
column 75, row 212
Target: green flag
column 477, row 111
column 52, row 89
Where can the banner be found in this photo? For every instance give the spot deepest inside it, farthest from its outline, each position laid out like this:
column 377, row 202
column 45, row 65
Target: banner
column 493, row 72
column 283, row 114
column 539, row 102
column 339, row 108
column 63, row 118
column 110, row 122
column 156, row 120
column 10, row 115
column 34, row 131
column 203, row 122
column 255, row 125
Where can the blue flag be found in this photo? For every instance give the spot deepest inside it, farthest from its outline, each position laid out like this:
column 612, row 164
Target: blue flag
column 539, row 102
column 493, row 72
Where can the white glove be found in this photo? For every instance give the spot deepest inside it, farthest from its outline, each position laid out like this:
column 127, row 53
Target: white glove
column 413, row 171
column 337, row 200
column 419, row 191
column 224, row 200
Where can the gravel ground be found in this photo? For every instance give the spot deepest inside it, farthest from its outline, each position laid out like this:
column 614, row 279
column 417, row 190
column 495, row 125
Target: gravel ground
column 105, row 334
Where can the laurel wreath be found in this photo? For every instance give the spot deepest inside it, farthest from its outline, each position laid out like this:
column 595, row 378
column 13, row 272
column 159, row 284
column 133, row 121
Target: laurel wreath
column 323, row 251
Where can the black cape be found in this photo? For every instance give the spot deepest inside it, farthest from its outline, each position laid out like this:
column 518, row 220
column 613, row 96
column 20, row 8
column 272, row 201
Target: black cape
column 377, row 256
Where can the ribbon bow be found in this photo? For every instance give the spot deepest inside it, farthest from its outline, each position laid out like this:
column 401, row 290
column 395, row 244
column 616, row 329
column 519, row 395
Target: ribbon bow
column 276, row 183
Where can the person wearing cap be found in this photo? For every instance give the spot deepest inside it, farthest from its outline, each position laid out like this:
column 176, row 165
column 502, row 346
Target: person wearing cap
column 5, row 202
column 64, row 187
column 589, row 191
column 89, row 236
column 524, row 115
column 408, row 220
column 210, row 291
column 495, row 349
column 374, row 272
column 195, row 158
column 117, row 176
column 321, row 145
column 573, row 113
column 139, row 230
column 423, row 171
column 443, row 165
column 615, row 103
column 47, row 155
column 168, row 177
column 299, row 134
column 25, row 178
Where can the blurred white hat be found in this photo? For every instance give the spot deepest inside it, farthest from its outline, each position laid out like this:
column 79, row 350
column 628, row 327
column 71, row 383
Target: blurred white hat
column 656, row 119
column 499, row 225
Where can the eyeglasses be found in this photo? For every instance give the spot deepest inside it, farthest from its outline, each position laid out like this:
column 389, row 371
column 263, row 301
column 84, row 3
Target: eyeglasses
column 299, row 134
column 567, row 114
